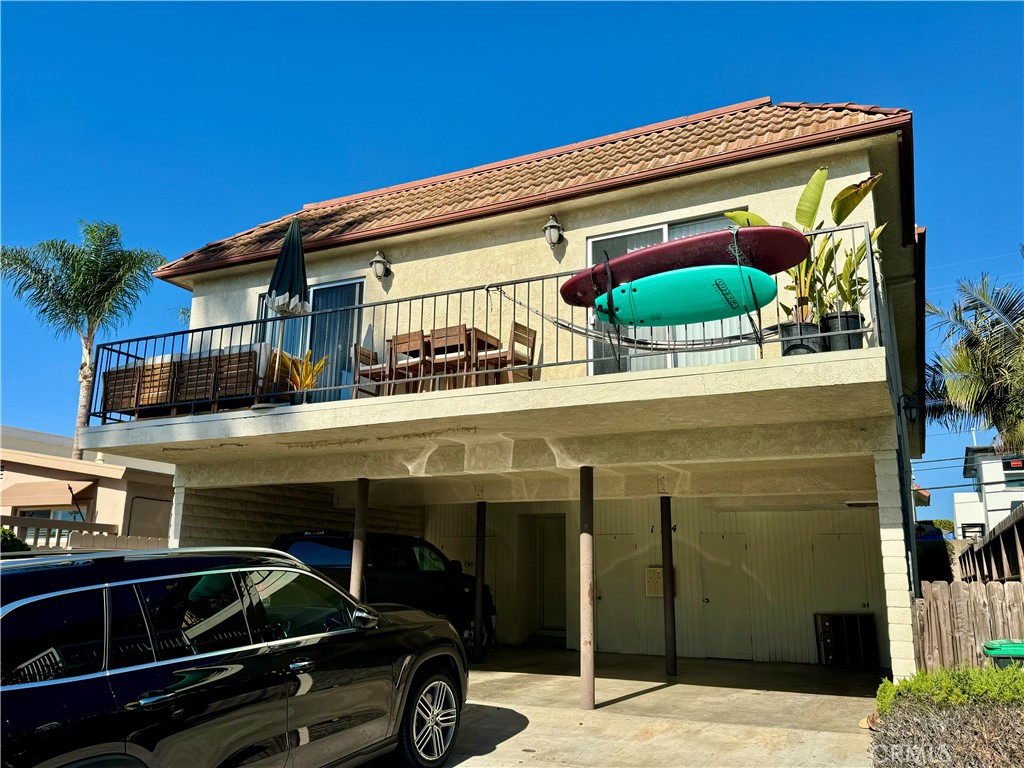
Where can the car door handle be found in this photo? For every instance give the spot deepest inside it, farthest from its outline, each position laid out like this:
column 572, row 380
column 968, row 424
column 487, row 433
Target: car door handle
column 147, row 702
column 301, row 665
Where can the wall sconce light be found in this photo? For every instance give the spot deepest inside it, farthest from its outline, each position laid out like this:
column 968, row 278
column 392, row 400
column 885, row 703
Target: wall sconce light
column 381, row 266
column 553, row 232
column 910, row 408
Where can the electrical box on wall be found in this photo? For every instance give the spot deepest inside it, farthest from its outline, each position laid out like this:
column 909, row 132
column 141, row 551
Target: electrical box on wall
column 655, row 582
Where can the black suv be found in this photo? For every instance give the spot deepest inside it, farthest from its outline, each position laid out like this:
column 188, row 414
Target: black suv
column 215, row 657
column 400, row 569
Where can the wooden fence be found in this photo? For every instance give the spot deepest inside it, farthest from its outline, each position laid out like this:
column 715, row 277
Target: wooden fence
column 952, row 621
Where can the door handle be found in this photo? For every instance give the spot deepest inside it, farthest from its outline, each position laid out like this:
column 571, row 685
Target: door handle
column 706, row 600
column 146, row 702
column 301, row 665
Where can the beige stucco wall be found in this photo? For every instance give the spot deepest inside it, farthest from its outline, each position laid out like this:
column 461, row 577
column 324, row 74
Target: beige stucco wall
column 512, row 247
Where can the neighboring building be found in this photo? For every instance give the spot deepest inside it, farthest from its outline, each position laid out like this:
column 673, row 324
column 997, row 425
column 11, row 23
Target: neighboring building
column 786, row 477
column 98, row 494
column 998, row 490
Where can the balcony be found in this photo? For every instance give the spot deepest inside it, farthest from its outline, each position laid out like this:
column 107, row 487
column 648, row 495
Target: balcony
column 497, row 335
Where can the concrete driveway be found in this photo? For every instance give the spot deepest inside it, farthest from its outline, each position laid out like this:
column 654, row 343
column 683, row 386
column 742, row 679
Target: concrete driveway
column 523, row 710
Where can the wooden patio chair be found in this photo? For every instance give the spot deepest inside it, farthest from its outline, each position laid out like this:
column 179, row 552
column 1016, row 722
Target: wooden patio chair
column 370, row 373
column 156, row 385
column 519, row 352
column 194, row 380
column 452, row 352
column 121, row 389
column 408, row 358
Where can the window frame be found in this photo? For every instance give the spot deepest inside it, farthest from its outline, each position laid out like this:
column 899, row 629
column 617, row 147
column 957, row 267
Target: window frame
column 266, row 628
column 255, row 643
column 105, row 623
column 664, row 227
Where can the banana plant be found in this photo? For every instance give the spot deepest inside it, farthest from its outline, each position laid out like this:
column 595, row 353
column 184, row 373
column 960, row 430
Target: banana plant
column 851, row 287
column 814, row 282
column 304, row 372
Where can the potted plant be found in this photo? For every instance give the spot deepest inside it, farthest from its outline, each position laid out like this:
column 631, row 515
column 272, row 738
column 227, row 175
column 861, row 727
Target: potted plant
column 304, row 374
column 847, row 293
column 820, row 288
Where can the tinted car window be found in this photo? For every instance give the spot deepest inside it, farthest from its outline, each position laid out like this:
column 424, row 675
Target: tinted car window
column 195, row 614
column 427, row 558
column 53, row 638
column 130, row 643
column 396, row 555
column 313, row 553
column 298, row 605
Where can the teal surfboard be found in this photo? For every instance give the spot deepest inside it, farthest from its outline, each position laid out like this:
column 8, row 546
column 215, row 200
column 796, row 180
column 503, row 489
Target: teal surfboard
column 691, row 295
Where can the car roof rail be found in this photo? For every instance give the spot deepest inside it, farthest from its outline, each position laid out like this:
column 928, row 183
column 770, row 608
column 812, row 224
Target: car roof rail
column 72, row 555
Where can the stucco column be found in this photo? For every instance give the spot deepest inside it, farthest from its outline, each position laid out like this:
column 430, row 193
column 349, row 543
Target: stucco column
column 355, row 579
column 177, row 511
column 895, row 572
column 587, row 696
column 478, row 599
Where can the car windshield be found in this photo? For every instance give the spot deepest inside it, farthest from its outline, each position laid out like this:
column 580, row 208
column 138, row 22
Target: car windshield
column 314, row 553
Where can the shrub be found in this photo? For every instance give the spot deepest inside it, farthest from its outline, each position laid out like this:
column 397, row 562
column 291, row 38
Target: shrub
column 943, row 525
column 959, row 718
column 11, row 543
column 951, row 687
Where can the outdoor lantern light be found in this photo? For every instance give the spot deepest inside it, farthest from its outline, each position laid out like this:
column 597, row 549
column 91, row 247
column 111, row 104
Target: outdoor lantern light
column 910, row 408
column 381, row 266
column 553, row 232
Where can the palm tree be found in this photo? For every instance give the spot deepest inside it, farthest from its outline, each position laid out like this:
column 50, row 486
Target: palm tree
column 81, row 289
column 978, row 382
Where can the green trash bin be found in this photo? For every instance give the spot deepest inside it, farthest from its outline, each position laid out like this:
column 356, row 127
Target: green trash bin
column 1005, row 652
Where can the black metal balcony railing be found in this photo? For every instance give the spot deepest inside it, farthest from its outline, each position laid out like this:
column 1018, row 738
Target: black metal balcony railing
column 501, row 333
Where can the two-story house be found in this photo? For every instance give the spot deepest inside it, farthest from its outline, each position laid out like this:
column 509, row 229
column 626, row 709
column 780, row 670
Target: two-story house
column 755, row 479
column 998, row 490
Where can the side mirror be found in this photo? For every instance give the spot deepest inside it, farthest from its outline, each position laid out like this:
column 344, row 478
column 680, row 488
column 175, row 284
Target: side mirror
column 455, row 567
column 363, row 620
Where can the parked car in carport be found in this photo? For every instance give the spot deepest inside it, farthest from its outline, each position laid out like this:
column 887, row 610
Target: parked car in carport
column 400, row 569
column 215, row 658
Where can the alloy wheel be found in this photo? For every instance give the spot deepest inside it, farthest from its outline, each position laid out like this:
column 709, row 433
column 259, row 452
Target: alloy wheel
column 434, row 721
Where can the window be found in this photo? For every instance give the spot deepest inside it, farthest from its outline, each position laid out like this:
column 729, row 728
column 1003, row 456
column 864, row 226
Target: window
column 130, row 643
column 1014, row 479
column 53, row 638
column 427, row 558
column 298, row 605
column 195, row 614
column 394, row 555
column 317, row 554
column 605, row 354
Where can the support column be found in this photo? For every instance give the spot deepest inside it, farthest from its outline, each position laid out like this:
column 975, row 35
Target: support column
column 587, row 696
column 177, row 513
column 894, row 565
column 355, row 580
column 668, row 581
column 478, row 603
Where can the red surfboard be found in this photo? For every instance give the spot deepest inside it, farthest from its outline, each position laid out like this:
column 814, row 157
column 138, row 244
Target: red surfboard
column 769, row 249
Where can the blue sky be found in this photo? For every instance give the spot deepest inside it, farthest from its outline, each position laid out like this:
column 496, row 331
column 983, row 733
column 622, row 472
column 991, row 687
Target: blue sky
column 188, row 122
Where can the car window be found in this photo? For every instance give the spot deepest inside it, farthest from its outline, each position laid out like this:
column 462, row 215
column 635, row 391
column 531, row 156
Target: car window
column 130, row 643
column 427, row 558
column 394, row 555
column 316, row 554
column 298, row 605
column 195, row 614
column 53, row 638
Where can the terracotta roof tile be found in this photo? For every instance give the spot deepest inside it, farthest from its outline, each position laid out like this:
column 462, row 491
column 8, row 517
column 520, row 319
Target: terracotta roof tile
column 730, row 134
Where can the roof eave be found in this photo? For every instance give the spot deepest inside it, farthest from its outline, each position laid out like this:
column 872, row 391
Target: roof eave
column 897, row 122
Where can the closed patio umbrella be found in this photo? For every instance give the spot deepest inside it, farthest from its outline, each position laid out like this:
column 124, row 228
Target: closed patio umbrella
column 288, row 293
